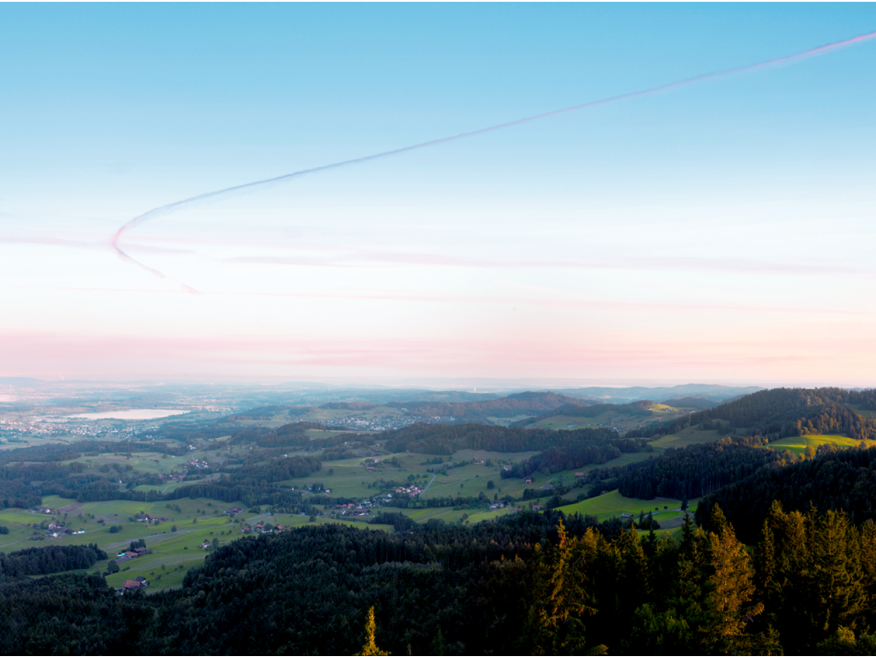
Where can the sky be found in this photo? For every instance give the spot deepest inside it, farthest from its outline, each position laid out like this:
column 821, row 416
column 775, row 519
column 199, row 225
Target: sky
column 720, row 231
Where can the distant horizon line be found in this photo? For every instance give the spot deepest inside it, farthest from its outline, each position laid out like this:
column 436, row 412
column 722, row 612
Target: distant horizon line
column 466, row 384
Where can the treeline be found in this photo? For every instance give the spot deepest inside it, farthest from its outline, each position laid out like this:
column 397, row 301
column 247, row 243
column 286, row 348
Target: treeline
column 841, row 479
column 784, row 412
column 530, row 584
column 278, row 469
column 687, row 473
column 24, row 485
column 576, row 452
column 289, row 435
column 30, row 473
column 255, row 483
column 50, row 559
column 222, row 491
column 72, row 614
column 443, row 440
column 67, row 452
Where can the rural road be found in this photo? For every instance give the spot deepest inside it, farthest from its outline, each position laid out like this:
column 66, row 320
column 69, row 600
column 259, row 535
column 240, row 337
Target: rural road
column 429, row 484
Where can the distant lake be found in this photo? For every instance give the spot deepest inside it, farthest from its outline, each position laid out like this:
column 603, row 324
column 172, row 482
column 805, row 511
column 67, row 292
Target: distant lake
column 134, row 414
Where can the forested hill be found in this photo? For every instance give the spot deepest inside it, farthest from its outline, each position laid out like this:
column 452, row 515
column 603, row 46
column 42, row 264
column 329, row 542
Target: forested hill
column 841, row 480
column 783, row 412
column 445, row 439
column 687, row 473
column 524, row 403
column 699, row 403
column 634, row 409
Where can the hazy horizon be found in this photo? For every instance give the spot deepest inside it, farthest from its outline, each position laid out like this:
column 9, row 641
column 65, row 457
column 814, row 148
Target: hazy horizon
column 702, row 211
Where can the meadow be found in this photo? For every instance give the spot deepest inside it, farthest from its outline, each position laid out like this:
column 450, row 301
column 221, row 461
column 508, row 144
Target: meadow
column 798, row 444
column 613, row 504
column 174, row 545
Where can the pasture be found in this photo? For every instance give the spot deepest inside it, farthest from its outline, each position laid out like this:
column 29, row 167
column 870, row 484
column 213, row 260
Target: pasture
column 174, row 545
column 685, row 437
column 613, row 504
column 798, row 444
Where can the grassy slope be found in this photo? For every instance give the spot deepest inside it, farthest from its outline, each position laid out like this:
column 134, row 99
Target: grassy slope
column 177, row 551
column 613, row 504
column 798, row 444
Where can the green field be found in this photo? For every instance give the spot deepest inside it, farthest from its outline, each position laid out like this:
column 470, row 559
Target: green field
column 798, row 444
column 613, row 504
column 621, row 418
column 173, row 544
column 350, row 478
column 685, row 437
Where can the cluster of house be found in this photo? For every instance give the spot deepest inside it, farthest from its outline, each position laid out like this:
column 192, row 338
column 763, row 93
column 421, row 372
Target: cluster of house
column 55, row 530
column 233, row 511
column 497, row 505
column 127, row 555
column 353, row 509
column 132, row 585
column 260, row 529
column 408, row 490
column 200, row 465
column 153, row 519
column 179, row 476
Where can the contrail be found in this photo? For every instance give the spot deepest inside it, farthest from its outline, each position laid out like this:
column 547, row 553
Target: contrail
column 177, row 205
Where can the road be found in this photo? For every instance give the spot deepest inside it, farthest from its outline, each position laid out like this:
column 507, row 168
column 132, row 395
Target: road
column 429, row 484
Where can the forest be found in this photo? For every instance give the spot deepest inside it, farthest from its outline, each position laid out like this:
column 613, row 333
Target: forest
column 842, row 480
column 784, row 412
column 687, row 473
column 442, row 439
column 49, row 559
column 534, row 584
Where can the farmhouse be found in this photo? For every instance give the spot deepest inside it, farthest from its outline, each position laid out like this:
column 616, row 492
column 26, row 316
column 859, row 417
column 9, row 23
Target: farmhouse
column 133, row 585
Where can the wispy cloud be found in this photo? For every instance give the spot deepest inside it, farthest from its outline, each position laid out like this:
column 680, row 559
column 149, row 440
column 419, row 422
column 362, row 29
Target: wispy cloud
column 236, row 189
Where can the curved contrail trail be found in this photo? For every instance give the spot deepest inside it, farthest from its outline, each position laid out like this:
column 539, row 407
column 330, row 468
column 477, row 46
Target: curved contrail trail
column 172, row 207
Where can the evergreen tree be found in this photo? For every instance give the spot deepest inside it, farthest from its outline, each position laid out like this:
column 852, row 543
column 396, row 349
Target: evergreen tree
column 730, row 589
column 370, row 648
column 561, row 600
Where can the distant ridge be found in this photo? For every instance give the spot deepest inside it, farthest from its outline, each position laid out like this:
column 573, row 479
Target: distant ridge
column 20, row 381
column 711, row 392
column 524, row 403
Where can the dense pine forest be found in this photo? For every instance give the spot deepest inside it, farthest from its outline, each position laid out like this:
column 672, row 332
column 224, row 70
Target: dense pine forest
column 529, row 585
column 688, row 473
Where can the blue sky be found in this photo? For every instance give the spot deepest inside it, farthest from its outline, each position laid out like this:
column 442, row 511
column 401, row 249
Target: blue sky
column 720, row 231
